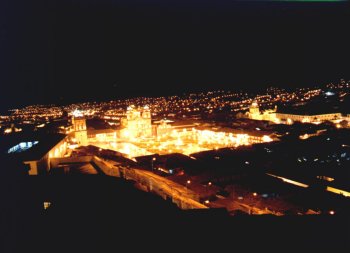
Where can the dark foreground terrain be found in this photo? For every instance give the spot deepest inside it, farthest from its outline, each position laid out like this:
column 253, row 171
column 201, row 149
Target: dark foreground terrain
column 101, row 214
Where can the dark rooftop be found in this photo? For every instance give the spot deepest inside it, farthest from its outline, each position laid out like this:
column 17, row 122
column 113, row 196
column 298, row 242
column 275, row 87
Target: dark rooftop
column 45, row 143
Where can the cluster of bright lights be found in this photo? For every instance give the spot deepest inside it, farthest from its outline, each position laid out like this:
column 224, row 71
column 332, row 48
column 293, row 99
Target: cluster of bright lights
column 185, row 141
column 77, row 113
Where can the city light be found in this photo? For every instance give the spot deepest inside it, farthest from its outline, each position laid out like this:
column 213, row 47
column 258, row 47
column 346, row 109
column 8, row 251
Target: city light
column 145, row 131
column 8, row 130
column 136, row 138
column 47, row 205
column 77, row 113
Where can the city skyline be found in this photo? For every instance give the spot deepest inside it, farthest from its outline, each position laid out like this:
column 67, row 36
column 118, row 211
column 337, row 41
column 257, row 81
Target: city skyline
column 215, row 144
column 138, row 123
column 236, row 94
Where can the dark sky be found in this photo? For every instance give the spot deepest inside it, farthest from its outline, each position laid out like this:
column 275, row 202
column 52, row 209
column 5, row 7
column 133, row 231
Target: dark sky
column 77, row 50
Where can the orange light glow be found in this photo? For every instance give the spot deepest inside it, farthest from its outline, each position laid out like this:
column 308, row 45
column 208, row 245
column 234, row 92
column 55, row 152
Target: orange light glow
column 136, row 137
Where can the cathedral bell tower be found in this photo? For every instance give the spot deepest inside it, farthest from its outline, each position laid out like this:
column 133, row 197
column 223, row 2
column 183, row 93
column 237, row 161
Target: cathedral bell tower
column 79, row 126
column 254, row 109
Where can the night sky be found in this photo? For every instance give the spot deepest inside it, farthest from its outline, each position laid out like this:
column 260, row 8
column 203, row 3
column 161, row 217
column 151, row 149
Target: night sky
column 79, row 50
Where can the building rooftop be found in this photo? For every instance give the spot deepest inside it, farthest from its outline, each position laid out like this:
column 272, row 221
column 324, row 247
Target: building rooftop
column 40, row 144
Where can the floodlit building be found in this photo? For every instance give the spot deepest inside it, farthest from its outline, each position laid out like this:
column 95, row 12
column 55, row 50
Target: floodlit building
column 137, row 123
column 162, row 127
column 80, row 132
column 256, row 114
column 138, row 136
column 289, row 118
column 254, row 111
column 101, row 135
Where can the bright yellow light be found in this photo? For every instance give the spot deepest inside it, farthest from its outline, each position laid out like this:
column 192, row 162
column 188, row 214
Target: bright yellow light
column 338, row 191
column 277, row 121
column 8, row 130
column 47, row 205
column 286, row 180
column 73, row 146
column 77, row 113
column 266, row 138
column 168, row 138
column 303, row 137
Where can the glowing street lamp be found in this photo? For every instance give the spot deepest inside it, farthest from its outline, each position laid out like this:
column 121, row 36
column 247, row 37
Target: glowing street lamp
column 187, row 183
column 152, row 161
column 207, row 188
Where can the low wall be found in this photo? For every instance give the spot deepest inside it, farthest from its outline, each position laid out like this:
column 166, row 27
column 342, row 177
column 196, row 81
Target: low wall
column 184, row 198
column 107, row 168
column 80, row 159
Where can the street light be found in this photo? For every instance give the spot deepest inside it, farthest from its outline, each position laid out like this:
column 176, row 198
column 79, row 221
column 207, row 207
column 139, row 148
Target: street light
column 187, row 183
column 152, row 161
column 207, row 188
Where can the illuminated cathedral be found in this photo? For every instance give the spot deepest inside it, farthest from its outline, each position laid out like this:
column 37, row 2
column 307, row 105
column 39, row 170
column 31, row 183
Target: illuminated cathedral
column 79, row 127
column 256, row 114
column 287, row 118
column 137, row 123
